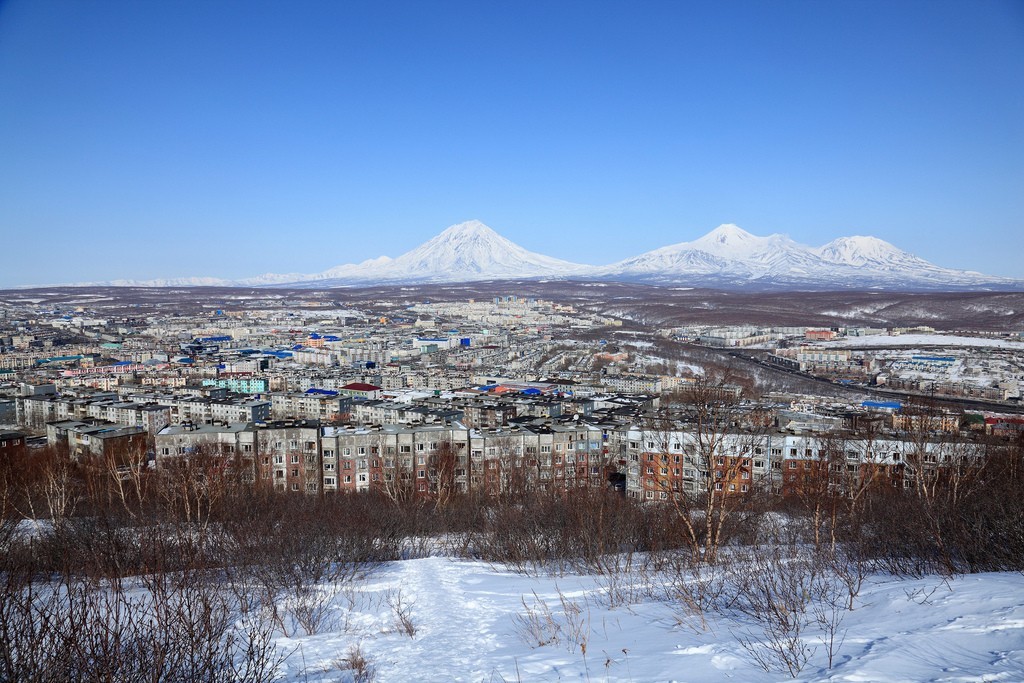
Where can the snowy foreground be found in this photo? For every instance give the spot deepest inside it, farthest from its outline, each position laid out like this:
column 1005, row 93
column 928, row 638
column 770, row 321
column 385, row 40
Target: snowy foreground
column 470, row 621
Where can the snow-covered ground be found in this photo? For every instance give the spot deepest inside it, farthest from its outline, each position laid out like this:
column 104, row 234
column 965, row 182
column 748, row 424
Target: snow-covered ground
column 470, row 621
column 885, row 341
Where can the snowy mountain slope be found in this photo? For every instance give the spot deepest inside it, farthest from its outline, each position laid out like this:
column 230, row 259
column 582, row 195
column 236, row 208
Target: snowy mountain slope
column 732, row 255
column 871, row 253
column 727, row 251
column 727, row 256
column 467, row 251
column 461, row 253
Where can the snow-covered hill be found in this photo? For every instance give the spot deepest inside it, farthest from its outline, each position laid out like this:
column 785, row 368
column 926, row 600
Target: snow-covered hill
column 727, row 256
column 472, row 621
column 730, row 255
column 726, row 251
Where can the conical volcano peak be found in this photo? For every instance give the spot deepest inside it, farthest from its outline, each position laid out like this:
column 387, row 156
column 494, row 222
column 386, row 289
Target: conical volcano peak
column 471, row 228
column 728, row 233
column 730, row 241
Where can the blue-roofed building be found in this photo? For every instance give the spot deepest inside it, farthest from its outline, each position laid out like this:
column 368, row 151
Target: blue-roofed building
column 240, row 385
column 882, row 406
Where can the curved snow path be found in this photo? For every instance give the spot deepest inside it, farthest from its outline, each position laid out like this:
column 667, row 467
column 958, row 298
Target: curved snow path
column 455, row 623
column 968, row 630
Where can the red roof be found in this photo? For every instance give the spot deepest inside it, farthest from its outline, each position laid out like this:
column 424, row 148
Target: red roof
column 361, row 386
column 1004, row 420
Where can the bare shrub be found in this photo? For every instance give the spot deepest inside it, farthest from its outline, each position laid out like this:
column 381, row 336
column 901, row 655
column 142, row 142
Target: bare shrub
column 576, row 623
column 537, row 626
column 773, row 592
column 354, row 661
column 696, row 589
column 401, row 609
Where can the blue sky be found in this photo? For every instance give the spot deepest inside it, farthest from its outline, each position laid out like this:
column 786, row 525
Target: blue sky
column 149, row 139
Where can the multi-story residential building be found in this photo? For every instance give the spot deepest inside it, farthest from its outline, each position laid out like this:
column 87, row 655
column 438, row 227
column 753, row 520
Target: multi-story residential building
column 247, row 385
column 200, row 409
column 361, row 390
column 86, row 438
column 36, row 411
column 313, row 404
column 288, row 455
column 12, row 444
column 396, row 412
column 189, row 438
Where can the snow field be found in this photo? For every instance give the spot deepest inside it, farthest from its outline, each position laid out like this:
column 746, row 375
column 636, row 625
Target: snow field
column 471, row 621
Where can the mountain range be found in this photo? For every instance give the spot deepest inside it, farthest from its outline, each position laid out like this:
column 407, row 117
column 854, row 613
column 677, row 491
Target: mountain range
column 728, row 256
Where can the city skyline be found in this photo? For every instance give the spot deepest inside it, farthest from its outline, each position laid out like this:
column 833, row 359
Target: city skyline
column 171, row 140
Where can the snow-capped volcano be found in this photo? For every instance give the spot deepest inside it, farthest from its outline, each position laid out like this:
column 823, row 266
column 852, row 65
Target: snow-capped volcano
column 730, row 255
column 727, row 240
column 460, row 253
column 727, row 256
column 727, row 251
column 870, row 252
column 471, row 251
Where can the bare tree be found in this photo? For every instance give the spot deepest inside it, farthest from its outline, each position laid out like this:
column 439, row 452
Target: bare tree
column 398, row 482
column 441, row 466
column 714, row 478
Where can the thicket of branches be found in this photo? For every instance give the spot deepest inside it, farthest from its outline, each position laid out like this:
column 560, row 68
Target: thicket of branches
column 113, row 571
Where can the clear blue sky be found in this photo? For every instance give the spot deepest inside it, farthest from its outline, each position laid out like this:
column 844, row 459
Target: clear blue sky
column 162, row 139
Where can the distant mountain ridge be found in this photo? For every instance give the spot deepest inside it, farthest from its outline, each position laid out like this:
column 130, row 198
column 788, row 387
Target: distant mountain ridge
column 727, row 256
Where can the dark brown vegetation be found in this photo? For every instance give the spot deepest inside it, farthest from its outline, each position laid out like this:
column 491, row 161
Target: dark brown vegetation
column 112, row 571
column 648, row 305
